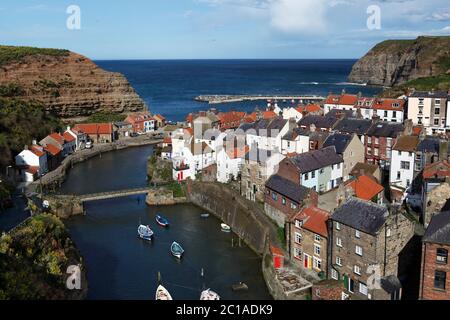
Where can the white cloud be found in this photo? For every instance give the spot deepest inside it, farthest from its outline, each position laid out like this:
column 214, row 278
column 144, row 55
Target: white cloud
column 439, row 16
column 293, row 16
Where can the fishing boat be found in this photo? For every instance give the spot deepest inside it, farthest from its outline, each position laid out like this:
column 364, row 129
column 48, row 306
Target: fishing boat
column 163, row 222
column 241, row 286
column 144, row 232
column 162, row 293
column 176, row 249
column 209, row 295
column 225, row 227
column 204, row 215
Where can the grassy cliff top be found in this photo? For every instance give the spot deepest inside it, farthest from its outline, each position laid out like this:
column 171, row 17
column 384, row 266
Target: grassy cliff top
column 13, row 53
column 441, row 82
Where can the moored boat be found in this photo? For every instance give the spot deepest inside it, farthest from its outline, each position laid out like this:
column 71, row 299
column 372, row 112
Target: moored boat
column 162, row 293
column 163, row 222
column 204, row 215
column 177, row 250
column 241, row 286
column 225, row 227
column 209, row 295
column 144, row 232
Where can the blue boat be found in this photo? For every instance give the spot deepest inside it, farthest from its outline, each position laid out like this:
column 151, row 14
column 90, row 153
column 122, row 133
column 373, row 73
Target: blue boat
column 163, row 222
column 176, row 249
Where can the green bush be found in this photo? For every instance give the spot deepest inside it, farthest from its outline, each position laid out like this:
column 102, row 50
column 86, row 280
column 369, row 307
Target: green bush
column 11, row 53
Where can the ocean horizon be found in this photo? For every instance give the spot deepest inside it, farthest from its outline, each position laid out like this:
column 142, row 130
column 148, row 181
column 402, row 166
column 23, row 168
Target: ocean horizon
column 170, row 86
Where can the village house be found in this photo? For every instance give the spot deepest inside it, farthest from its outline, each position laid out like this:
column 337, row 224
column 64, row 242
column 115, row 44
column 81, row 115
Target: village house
column 260, row 115
column 435, row 193
column 365, row 238
column 80, row 138
column 193, row 159
column 403, row 162
column 391, row 110
column 97, row 132
column 320, row 170
column 431, row 110
column 160, row 120
column 58, row 141
column 379, row 140
column 431, row 150
column 296, row 140
column 166, row 148
column 229, row 162
column 349, row 147
column 316, row 138
column 341, row 102
column 366, row 169
column 284, row 198
column 360, row 127
column 362, row 187
column 435, row 267
column 297, row 113
column 320, row 123
column 307, row 239
column 54, row 156
column 205, row 121
column 142, row 122
column 258, row 166
column 31, row 162
column 230, row 120
column 124, row 129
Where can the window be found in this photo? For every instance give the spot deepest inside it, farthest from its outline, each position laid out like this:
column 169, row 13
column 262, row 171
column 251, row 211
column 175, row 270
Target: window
column 317, row 238
column 363, row 288
column 317, row 249
column 334, row 274
column 357, row 270
column 385, row 114
column 317, row 263
column 441, row 256
column 437, row 111
column 298, row 237
column 313, row 175
column 339, row 261
column 388, row 232
column 398, row 175
column 437, row 102
column 298, row 223
column 339, row 242
column 293, row 205
column 375, row 152
column 357, row 234
column 358, row 250
column 394, row 114
column 338, row 226
column 369, row 140
column 297, row 253
column 436, row 122
column 274, row 196
column 419, row 120
column 439, row 279
column 306, row 176
column 377, row 141
column 404, row 165
column 283, row 201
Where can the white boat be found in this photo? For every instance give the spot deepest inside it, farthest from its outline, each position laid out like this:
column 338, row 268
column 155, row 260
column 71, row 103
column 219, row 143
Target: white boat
column 176, row 249
column 209, row 295
column 162, row 293
column 225, row 227
column 144, row 232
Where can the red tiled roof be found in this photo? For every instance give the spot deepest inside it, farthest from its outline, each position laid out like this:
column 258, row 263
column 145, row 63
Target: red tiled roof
column 236, row 152
column 190, row 118
column 159, row 116
column 417, row 130
column 230, row 117
column 388, row 104
column 365, row 187
column 189, row 131
column 439, row 169
column 95, row 128
column 314, row 219
column 37, row 150
column 345, row 99
column 52, row 149
column 57, row 137
column 309, row 108
column 32, row 169
column 68, row 137
column 167, row 140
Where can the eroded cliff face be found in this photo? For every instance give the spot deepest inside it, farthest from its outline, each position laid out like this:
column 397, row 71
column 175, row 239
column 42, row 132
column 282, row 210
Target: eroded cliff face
column 395, row 62
column 71, row 86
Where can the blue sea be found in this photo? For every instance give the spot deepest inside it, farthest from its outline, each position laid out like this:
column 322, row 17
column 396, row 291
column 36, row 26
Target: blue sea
column 170, row 86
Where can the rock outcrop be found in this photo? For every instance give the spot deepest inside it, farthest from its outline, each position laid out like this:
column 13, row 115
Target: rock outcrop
column 395, row 62
column 70, row 85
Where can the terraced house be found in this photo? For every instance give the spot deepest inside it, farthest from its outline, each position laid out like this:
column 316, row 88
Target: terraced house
column 431, row 110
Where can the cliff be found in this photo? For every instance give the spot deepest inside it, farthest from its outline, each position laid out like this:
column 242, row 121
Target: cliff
column 67, row 84
column 395, row 62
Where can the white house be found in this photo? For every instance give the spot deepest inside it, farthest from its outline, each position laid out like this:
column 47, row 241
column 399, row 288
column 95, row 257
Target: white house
column 292, row 113
column 229, row 163
column 296, row 140
column 80, row 138
column 267, row 134
column 32, row 163
column 341, row 102
column 431, row 110
column 193, row 159
column 402, row 162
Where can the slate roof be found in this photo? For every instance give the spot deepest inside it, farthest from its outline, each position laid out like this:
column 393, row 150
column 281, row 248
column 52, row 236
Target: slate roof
column 430, row 144
column 428, row 94
column 361, row 215
column 316, row 159
column 438, row 230
column 353, row 125
column 287, row 188
column 264, row 127
column 339, row 141
column 326, row 122
column 292, row 134
column 385, row 129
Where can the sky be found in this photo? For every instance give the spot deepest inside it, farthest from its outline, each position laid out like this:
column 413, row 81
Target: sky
column 219, row 29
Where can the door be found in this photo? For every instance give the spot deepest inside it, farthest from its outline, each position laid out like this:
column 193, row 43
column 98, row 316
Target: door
column 351, row 285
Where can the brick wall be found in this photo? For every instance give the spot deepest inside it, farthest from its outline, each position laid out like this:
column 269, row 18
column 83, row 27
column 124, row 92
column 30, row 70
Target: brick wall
column 429, row 265
column 288, row 171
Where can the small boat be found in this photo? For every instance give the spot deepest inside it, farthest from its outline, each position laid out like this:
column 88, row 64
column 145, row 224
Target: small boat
column 225, row 227
column 204, row 215
column 163, row 222
column 176, row 249
column 209, row 295
column 144, row 232
column 162, row 293
column 241, row 286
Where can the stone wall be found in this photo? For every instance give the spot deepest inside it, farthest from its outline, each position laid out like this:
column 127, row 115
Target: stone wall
column 162, row 197
column 242, row 215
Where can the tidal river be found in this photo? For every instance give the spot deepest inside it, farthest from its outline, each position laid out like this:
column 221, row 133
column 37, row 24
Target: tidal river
column 121, row 266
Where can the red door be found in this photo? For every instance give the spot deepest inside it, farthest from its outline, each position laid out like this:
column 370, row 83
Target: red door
column 306, row 260
column 277, row 262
